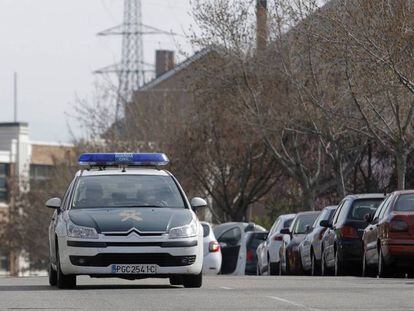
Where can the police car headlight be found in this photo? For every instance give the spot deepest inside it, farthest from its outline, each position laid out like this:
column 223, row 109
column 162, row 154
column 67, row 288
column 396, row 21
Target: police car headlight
column 75, row 231
column 186, row 231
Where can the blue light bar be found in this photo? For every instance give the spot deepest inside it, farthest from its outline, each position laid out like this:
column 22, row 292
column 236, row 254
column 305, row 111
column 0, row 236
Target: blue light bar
column 128, row 159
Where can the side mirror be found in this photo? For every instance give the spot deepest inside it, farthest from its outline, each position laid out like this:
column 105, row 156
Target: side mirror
column 325, row 224
column 369, row 217
column 285, row 231
column 54, row 203
column 197, row 203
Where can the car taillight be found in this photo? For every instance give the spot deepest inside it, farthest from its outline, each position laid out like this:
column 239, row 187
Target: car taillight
column 349, row 232
column 278, row 238
column 249, row 256
column 213, row 247
column 398, row 226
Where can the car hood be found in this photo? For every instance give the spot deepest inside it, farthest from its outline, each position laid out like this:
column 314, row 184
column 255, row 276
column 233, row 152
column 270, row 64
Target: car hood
column 126, row 219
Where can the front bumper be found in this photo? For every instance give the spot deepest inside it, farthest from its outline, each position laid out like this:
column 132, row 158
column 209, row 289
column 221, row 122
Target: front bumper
column 95, row 257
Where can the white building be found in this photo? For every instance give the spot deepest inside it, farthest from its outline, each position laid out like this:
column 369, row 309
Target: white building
column 23, row 160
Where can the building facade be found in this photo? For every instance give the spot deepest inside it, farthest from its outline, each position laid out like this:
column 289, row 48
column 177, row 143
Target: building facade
column 21, row 161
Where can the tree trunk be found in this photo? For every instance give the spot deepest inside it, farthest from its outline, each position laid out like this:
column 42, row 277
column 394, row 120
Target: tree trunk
column 308, row 198
column 401, row 167
column 340, row 182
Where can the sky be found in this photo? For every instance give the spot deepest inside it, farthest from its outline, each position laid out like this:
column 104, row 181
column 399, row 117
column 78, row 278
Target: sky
column 53, row 47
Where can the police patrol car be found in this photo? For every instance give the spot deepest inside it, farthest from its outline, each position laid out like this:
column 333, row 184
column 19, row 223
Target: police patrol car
column 124, row 217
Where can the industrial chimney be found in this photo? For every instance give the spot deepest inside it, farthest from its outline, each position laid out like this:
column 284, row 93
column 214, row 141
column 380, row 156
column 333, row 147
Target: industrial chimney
column 261, row 24
column 164, row 61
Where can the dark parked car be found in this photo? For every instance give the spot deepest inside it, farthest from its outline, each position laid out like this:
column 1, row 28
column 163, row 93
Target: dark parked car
column 342, row 247
column 290, row 261
column 310, row 248
column 389, row 237
column 253, row 240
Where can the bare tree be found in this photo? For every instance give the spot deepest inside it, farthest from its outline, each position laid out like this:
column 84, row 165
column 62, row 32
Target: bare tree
column 374, row 39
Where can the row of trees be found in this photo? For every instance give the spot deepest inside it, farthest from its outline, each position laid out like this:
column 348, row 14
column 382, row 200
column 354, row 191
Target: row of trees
column 330, row 98
column 324, row 109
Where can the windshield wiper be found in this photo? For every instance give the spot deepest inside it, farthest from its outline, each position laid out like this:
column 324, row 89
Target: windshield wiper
column 144, row 206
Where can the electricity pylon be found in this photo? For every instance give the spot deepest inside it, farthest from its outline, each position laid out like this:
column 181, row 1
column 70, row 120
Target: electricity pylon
column 130, row 71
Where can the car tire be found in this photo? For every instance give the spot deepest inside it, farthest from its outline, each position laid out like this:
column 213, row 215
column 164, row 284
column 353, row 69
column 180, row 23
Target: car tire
column 315, row 269
column 52, row 276
column 176, row 280
column 367, row 271
column 63, row 281
column 287, row 271
column 193, row 281
column 383, row 270
column 273, row 268
column 339, row 265
column 325, row 271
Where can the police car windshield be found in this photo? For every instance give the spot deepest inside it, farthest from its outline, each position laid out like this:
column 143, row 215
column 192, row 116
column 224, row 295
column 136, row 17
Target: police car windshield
column 127, row 191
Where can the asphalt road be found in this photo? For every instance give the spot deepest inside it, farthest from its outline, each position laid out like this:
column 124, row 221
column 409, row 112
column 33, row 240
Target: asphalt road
column 217, row 293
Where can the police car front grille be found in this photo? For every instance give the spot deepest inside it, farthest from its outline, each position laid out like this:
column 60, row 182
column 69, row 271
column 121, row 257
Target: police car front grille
column 106, row 259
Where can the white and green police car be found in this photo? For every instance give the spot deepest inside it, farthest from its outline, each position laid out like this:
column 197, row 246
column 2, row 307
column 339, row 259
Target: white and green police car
column 124, row 217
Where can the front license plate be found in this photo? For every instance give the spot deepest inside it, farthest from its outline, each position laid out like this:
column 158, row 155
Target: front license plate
column 134, row 269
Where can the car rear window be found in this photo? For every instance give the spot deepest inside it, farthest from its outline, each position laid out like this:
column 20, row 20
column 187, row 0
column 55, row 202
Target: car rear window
column 362, row 207
column 405, row 203
column 206, row 230
column 256, row 239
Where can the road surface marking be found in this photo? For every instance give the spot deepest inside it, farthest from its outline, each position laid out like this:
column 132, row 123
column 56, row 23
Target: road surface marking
column 293, row 303
column 224, row 287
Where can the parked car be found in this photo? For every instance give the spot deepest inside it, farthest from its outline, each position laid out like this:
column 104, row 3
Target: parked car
column 268, row 251
column 212, row 251
column 342, row 248
column 253, row 240
column 389, row 237
column 310, row 248
column 290, row 261
column 233, row 239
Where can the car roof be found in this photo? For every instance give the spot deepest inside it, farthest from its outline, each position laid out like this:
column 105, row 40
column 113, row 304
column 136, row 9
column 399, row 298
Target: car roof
column 366, row 196
column 331, row 207
column 284, row 216
column 119, row 171
column 399, row 192
column 307, row 213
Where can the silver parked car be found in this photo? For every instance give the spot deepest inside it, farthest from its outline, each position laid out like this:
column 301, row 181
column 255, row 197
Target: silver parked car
column 268, row 251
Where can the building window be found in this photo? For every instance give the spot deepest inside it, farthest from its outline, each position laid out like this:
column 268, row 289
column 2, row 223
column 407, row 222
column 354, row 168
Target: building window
column 40, row 172
column 4, row 168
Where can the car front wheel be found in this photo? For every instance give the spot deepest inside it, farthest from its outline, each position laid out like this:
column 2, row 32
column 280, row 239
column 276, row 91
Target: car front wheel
column 193, row 281
column 383, row 270
column 62, row 280
column 273, row 268
column 325, row 271
column 176, row 280
column 52, row 276
column 367, row 271
column 315, row 269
